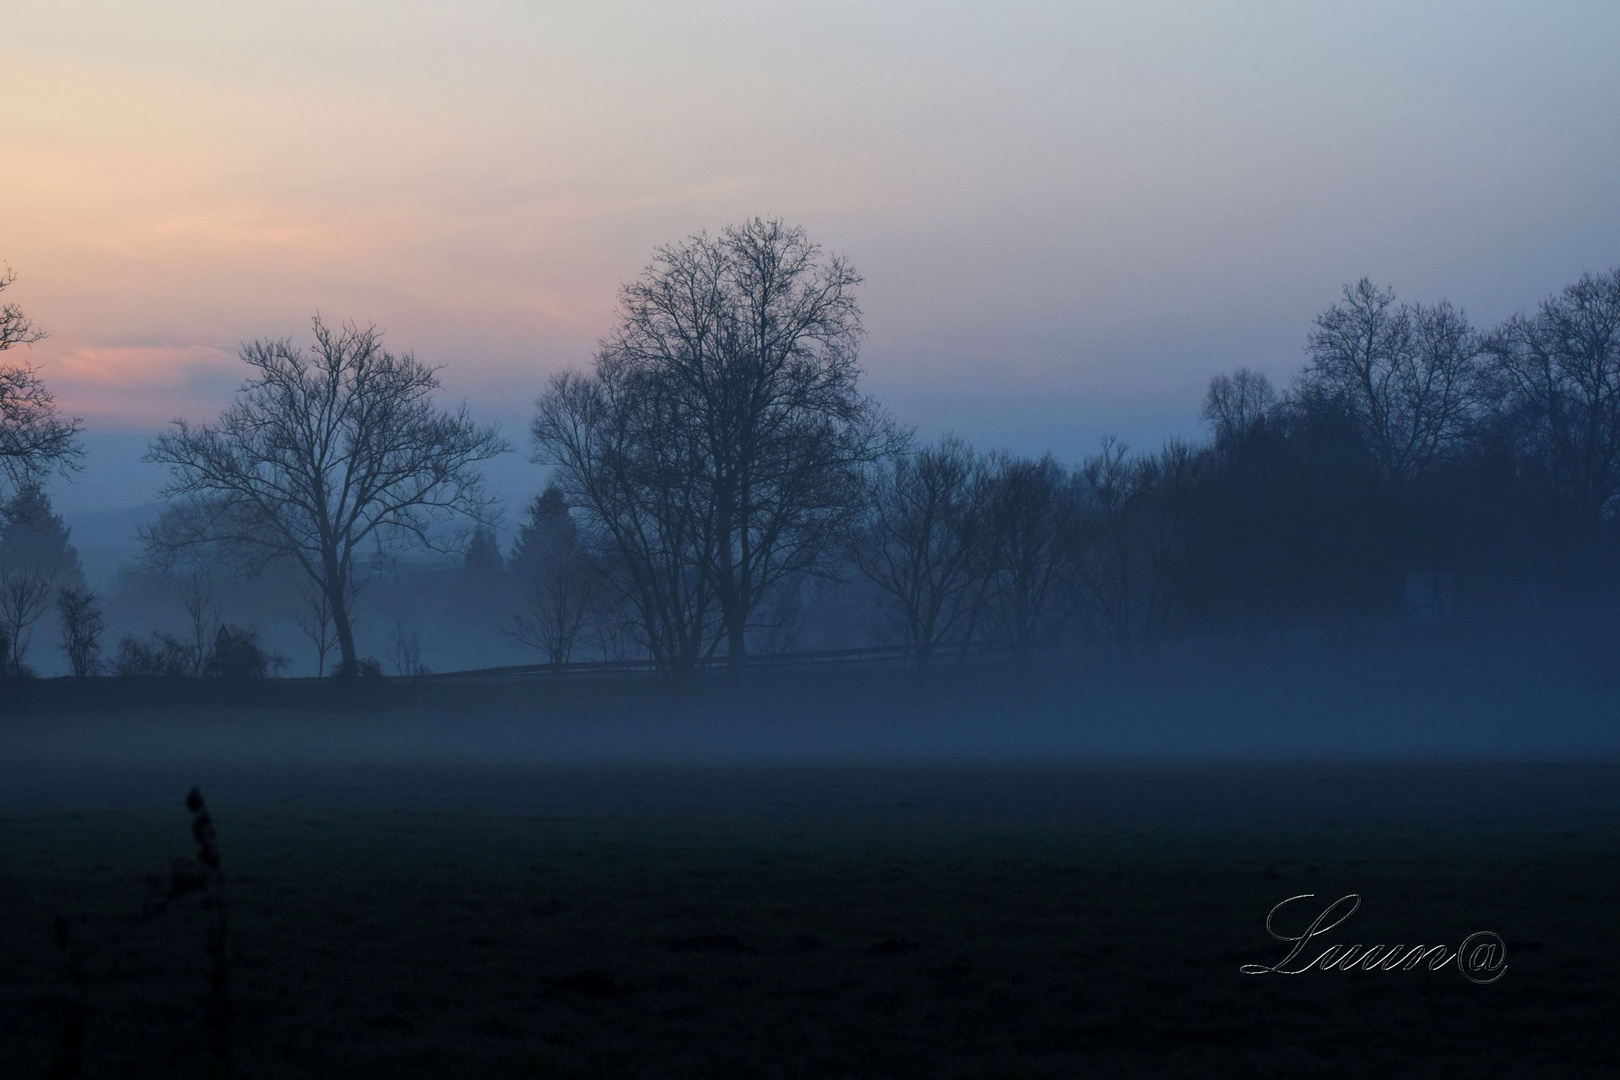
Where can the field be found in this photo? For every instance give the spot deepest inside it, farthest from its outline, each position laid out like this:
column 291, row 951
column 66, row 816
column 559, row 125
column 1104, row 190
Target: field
column 423, row 913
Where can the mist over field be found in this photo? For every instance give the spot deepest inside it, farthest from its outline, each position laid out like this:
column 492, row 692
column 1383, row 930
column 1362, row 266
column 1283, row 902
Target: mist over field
column 1431, row 703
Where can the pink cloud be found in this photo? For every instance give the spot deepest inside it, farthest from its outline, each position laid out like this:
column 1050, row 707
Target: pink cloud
column 140, row 384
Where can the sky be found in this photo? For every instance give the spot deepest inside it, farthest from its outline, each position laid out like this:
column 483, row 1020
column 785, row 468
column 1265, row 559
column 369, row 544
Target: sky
column 1068, row 216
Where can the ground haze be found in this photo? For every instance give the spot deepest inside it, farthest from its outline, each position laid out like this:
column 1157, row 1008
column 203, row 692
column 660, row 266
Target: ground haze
column 554, row 889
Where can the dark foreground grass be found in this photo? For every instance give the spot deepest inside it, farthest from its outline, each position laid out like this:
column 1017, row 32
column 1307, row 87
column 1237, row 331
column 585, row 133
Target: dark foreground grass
column 855, row 922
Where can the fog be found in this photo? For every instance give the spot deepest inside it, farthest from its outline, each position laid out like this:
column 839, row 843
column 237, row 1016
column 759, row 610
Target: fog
column 1433, row 703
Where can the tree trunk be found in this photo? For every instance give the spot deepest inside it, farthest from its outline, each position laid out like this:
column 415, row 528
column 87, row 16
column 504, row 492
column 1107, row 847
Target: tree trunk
column 350, row 665
column 736, row 642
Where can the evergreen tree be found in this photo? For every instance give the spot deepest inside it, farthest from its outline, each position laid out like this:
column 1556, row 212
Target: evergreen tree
column 482, row 563
column 35, row 560
column 548, row 534
column 554, row 577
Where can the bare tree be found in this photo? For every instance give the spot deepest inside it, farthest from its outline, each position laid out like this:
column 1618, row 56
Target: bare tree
column 719, row 444
column 34, row 436
column 553, row 615
column 612, row 623
column 617, row 447
column 25, row 596
column 79, row 611
column 15, row 327
column 1236, row 402
column 202, row 619
column 1134, row 525
column 779, row 619
column 787, row 430
column 314, row 620
column 407, row 651
column 1561, row 370
column 1033, row 521
column 923, row 544
column 1408, row 375
column 1105, row 554
column 324, row 451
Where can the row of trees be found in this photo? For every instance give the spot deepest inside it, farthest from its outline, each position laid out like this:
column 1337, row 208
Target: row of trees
column 718, row 460
column 719, row 455
column 1413, row 441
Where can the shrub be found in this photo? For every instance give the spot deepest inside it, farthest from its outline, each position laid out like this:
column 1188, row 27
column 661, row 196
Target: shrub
column 237, row 655
column 162, row 657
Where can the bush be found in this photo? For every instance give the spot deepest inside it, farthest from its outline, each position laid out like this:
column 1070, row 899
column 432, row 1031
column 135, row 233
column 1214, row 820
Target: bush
column 162, row 657
column 238, row 655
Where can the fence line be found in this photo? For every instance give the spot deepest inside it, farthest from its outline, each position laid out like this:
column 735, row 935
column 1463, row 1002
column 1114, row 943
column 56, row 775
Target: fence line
column 874, row 656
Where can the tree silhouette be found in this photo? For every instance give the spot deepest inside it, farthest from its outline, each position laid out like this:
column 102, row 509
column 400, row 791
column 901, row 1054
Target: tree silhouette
column 555, row 578
column 719, row 444
column 322, row 452
column 925, row 543
column 34, row 436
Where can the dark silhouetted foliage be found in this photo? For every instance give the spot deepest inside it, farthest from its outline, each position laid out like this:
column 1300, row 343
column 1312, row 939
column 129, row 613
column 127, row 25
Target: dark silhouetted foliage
column 236, row 654
column 159, row 657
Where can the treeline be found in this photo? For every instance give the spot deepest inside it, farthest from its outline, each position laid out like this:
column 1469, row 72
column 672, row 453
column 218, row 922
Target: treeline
column 718, row 457
column 721, row 486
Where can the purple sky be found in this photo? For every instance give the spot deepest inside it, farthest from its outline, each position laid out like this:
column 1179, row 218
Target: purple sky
column 1069, row 216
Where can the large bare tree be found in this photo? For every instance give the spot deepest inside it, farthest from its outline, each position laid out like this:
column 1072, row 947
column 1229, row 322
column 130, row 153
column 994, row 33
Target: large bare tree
column 721, row 439
column 1560, row 367
column 322, row 452
column 34, row 435
column 1165, row 496
column 1408, row 375
column 622, row 457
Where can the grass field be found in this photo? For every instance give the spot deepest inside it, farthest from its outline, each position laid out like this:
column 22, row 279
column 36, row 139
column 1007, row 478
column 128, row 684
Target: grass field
column 1025, row 873
column 862, row 921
